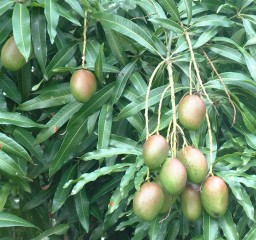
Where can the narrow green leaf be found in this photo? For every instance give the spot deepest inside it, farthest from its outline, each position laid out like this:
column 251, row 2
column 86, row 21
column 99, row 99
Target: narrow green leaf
column 139, row 83
column 251, row 63
column 98, row 68
column 9, row 166
column 5, row 5
column 83, row 209
column 78, row 122
column 109, row 152
column 58, row 120
column 76, row 6
column 139, row 178
column 10, row 146
column 11, row 220
column 171, row 7
column 115, row 43
column 52, row 15
column 105, row 126
column 89, row 177
column 26, row 139
column 59, row 229
column 173, row 230
column 21, row 29
column 210, row 227
column 10, row 88
column 61, row 194
column 47, row 100
column 126, row 27
column 205, row 37
column 5, row 28
column 13, row 118
column 38, row 30
column 60, row 59
column 5, row 190
column 251, row 235
column 213, row 20
column 68, row 15
column 228, row 226
column 139, row 104
column 121, row 81
column 188, row 4
column 168, row 24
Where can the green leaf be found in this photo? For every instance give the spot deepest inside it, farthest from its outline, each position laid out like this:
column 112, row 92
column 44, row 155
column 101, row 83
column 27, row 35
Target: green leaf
column 38, row 30
column 60, row 59
column 83, row 209
column 52, row 15
column 210, row 227
column 61, row 194
column 127, row 28
column 105, row 126
column 109, row 152
column 78, row 122
column 168, row 24
column 213, row 20
column 12, row 118
column 76, row 6
column 138, row 83
column 89, row 177
column 251, row 235
column 228, row 226
column 26, row 139
column 11, row 220
column 58, row 120
column 59, row 229
column 121, row 81
column 139, row 104
column 171, row 7
column 5, row 28
column 5, row 190
column 5, row 5
column 68, row 15
column 115, row 43
column 21, row 29
column 47, row 100
column 205, row 37
column 188, row 4
column 248, row 118
column 99, row 65
column 9, row 166
column 10, row 146
column 10, row 88
column 251, row 63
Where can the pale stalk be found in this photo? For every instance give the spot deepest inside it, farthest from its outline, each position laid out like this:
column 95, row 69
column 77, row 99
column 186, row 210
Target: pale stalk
column 190, row 78
column 147, row 96
column 174, row 141
column 225, row 88
column 85, row 39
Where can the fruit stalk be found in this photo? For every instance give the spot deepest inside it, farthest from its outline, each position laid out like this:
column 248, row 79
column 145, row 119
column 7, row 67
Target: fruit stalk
column 190, row 78
column 174, row 119
column 225, row 88
column 195, row 66
column 84, row 35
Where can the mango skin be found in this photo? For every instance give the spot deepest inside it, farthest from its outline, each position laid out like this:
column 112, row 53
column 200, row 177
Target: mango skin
column 195, row 163
column 11, row 57
column 173, row 176
column 148, row 201
column 191, row 112
column 214, row 196
column 191, row 203
column 83, row 85
column 155, row 151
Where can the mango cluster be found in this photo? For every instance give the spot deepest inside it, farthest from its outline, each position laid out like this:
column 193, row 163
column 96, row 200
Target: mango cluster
column 184, row 176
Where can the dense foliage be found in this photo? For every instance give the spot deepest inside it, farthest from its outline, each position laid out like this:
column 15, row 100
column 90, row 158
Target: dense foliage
column 71, row 169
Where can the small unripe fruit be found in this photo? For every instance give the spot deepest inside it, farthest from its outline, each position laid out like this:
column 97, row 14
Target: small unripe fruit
column 214, row 196
column 191, row 203
column 11, row 57
column 148, row 201
column 173, row 176
column 195, row 163
column 191, row 111
column 155, row 151
column 83, row 85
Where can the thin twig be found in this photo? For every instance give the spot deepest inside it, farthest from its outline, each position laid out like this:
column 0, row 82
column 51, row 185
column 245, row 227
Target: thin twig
column 225, row 88
column 190, row 78
column 84, row 44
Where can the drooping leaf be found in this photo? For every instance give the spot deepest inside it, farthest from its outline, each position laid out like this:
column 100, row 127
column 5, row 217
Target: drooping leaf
column 98, row 68
column 5, row 5
column 59, row 229
column 21, row 29
column 52, row 16
column 171, row 8
column 168, row 24
column 76, row 6
column 210, row 227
